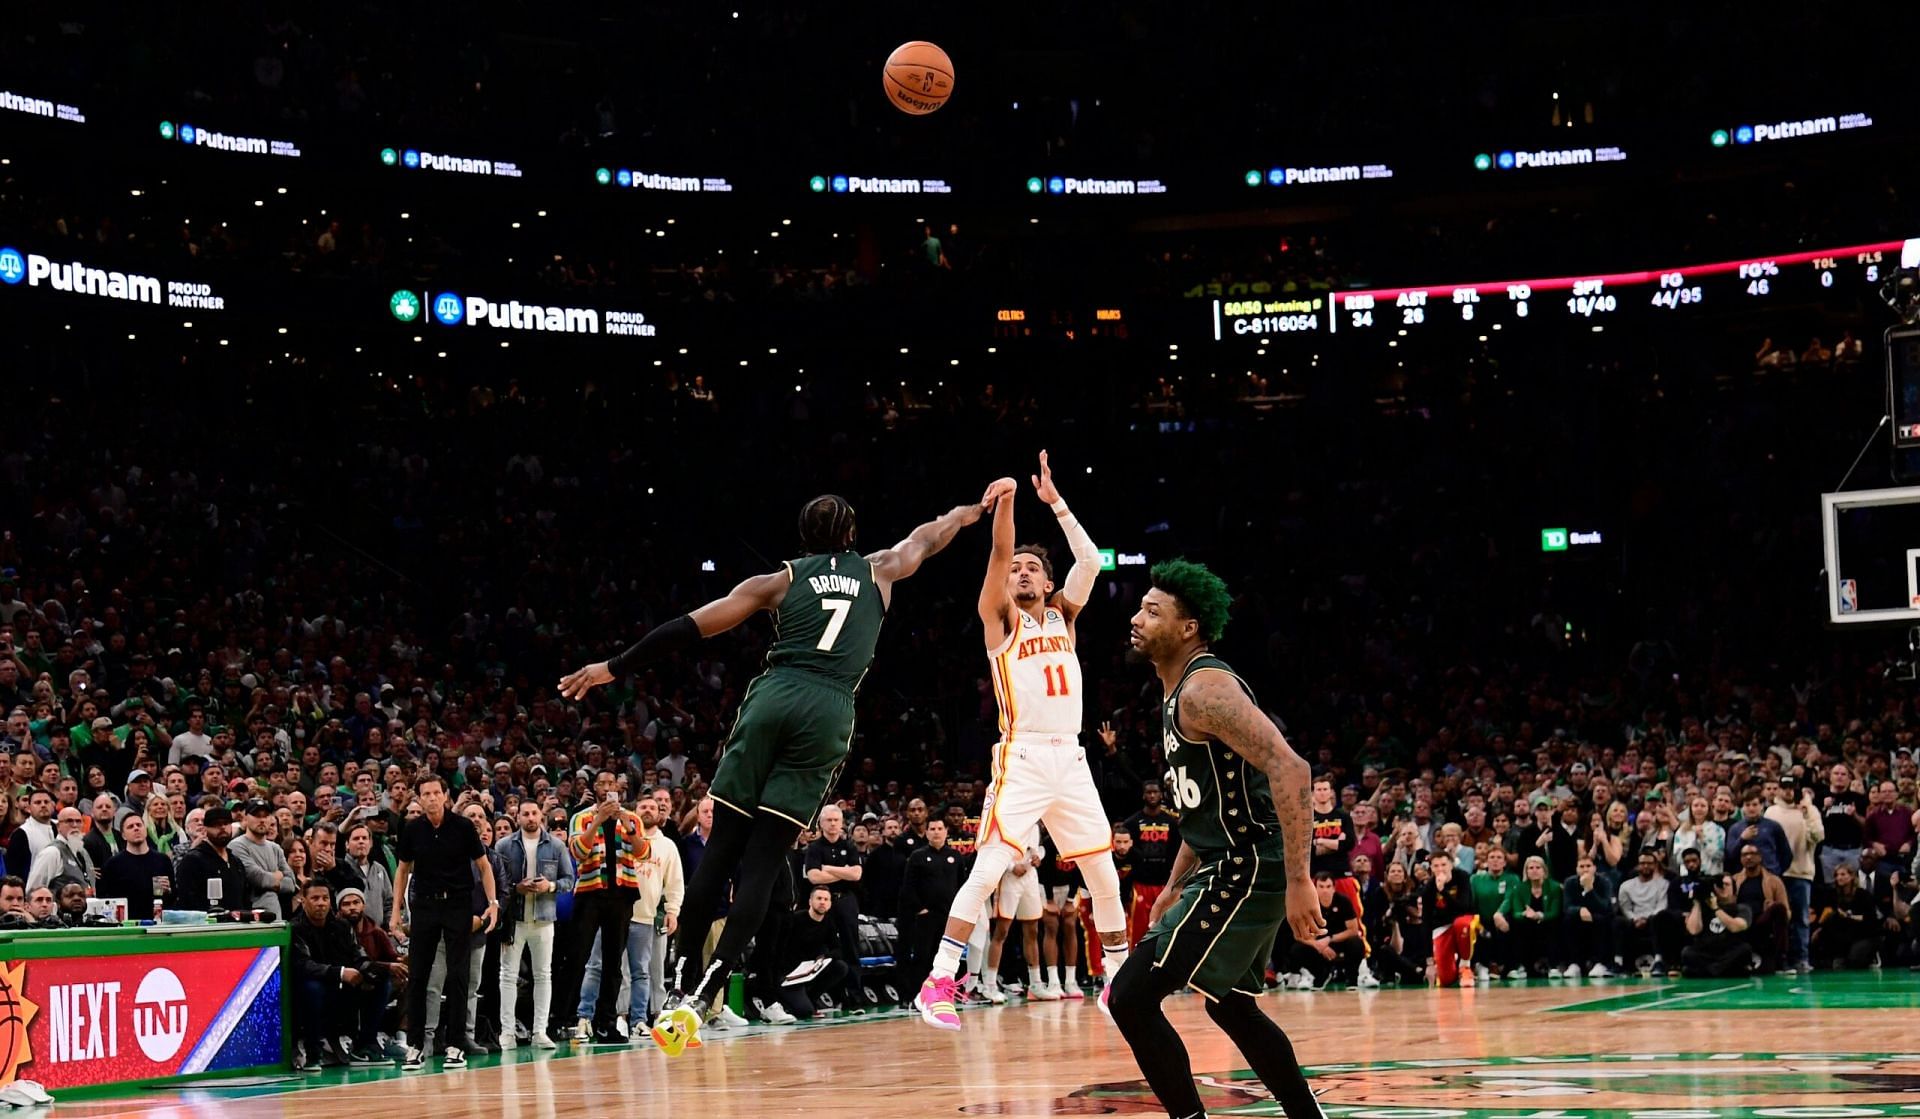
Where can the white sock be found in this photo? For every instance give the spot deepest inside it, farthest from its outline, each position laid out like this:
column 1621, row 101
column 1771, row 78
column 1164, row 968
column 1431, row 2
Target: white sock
column 1053, row 977
column 947, row 961
column 990, row 978
column 1112, row 960
column 1035, row 977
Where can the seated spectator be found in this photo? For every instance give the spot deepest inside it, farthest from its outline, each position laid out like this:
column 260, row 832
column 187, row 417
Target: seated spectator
column 1765, row 896
column 383, row 961
column 1492, row 885
column 1586, row 908
column 72, row 907
column 1529, row 915
column 13, row 902
column 1337, row 955
column 43, row 909
column 1846, row 934
column 1391, row 914
column 1716, row 925
column 332, row 979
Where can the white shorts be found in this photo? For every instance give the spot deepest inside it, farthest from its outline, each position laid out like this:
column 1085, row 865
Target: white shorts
column 1019, row 896
column 1048, row 784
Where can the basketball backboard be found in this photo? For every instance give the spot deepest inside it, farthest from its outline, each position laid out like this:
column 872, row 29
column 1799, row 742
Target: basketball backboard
column 1872, row 540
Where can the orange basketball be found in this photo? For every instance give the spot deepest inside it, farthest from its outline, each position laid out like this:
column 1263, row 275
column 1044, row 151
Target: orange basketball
column 918, row 78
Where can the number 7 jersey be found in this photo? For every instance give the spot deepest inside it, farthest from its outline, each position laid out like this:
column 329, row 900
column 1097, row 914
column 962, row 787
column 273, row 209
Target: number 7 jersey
column 1036, row 678
column 1223, row 801
column 829, row 621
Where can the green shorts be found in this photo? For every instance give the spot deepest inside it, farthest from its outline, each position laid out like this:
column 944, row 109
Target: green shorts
column 788, row 743
column 1218, row 936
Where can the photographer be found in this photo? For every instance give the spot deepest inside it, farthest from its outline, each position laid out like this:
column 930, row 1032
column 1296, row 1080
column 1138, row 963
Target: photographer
column 1717, row 925
column 1391, row 914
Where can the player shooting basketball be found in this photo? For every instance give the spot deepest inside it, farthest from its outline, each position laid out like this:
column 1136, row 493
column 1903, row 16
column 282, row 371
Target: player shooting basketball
column 1039, row 768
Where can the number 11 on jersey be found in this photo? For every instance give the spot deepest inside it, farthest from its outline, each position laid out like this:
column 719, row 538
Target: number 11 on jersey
column 1061, row 688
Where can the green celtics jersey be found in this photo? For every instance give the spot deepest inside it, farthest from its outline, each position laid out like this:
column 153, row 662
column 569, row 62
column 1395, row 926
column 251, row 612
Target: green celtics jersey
column 830, row 620
column 1223, row 802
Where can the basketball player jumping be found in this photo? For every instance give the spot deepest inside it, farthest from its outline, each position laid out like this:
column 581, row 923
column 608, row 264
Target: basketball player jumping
column 1246, row 825
column 793, row 730
column 1039, row 769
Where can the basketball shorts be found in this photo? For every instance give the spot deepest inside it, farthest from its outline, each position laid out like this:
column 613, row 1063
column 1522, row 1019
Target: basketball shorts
column 1019, row 896
column 1044, row 779
column 788, row 744
column 1216, row 938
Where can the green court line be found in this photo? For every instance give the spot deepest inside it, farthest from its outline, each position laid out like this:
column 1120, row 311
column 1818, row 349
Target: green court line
column 1844, row 990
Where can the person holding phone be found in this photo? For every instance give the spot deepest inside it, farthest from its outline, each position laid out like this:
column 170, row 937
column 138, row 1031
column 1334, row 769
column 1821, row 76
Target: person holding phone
column 539, row 869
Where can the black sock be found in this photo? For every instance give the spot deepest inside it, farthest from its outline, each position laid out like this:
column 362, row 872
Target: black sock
column 763, row 869
column 1268, row 1051
column 1135, row 1005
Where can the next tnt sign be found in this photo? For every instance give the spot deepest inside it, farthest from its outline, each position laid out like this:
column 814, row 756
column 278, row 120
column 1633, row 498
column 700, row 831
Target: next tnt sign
column 1560, row 539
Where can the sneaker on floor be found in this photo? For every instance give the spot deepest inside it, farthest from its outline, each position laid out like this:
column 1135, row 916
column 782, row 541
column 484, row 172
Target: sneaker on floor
column 1804, row 967
column 620, row 1025
column 1599, row 971
column 507, row 1043
column 1045, row 992
column 583, row 1030
column 1466, row 977
column 994, row 995
column 678, row 1026
column 414, row 1058
column 32, row 1090
column 727, row 1018
column 456, row 1057
column 936, row 1003
column 778, row 1015
column 543, row 1040
column 1572, row 972
column 1365, row 977
column 1106, row 992
column 300, row 1063
column 1070, row 990
column 361, row 1058
column 1303, row 980
column 1517, row 973
column 1481, row 974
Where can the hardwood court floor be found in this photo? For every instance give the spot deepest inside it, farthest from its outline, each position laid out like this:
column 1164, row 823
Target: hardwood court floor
column 1843, row 1045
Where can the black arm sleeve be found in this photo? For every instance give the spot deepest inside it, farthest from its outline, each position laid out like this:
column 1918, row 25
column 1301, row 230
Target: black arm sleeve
column 660, row 642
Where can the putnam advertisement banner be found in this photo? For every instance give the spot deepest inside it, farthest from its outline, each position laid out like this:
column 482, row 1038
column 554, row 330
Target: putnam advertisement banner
column 90, row 1020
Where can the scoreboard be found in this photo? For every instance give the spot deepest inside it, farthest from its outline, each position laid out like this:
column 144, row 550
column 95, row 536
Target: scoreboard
column 1783, row 279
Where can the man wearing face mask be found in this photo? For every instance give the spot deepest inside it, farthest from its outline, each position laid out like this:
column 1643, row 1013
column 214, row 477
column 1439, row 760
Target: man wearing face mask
column 66, row 856
column 209, row 862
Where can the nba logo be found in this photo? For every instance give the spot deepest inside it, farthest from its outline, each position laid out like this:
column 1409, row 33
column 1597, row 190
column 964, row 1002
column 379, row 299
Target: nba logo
column 1849, row 596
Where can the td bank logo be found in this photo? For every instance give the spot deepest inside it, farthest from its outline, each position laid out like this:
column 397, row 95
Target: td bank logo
column 1584, row 1086
column 1553, row 539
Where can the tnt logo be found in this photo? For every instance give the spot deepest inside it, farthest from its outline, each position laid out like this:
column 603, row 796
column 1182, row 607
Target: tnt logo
column 160, row 1015
column 13, row 266
column 448, row 308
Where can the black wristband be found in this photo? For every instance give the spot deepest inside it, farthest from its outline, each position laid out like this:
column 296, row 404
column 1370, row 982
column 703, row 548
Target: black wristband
column 660, row 642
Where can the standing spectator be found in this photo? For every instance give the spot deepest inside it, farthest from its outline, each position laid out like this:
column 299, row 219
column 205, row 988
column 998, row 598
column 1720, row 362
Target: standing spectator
column 448, row 852
column 269, row 875
column 33, row 834
column 831, row 861
column 1793, row 810
column 1586, row 906
column 478, row 1038
column 1447, row 903
column 607, row 848
column 693, row 848
column 139, row 872
column 66, row 857
column 208, row 862
column 1889, row 823
column 663, row 886
column 1843, row 817
column 1156, row 839
column 933, row 876
column 539, row 869
column 1698, row 832
column 1754, row 828
column 378, row 889
column 885, row 865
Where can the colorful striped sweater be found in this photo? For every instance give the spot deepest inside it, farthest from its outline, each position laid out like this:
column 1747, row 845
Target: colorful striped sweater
column 589, row 845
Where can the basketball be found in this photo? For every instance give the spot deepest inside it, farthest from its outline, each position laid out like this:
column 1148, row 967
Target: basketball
column 918, row 78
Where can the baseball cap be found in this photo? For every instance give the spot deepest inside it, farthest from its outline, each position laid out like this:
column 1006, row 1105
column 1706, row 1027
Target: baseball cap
column 258, row 807
column 1577, row 767
column 217, row 815
column 101, row 723
column 139, row 775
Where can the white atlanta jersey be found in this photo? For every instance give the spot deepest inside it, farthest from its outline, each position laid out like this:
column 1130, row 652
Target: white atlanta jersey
column 1036, row 679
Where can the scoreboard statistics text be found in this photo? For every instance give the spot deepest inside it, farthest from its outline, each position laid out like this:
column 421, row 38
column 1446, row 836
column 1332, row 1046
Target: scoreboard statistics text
column 1784, row 279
